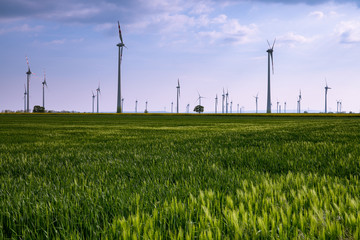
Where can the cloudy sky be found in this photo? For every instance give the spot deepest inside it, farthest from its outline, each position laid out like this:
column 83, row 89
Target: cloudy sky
column 209, row 45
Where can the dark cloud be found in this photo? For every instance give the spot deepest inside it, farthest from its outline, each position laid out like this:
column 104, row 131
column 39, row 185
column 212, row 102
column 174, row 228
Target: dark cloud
column 68, row 10
column 100, row 11
column 308, row 2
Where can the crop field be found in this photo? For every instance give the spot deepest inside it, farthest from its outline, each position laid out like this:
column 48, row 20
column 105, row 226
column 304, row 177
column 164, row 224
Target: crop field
column 138, row 176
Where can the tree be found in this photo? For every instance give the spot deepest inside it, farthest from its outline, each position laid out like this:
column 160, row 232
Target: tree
column 38, row 109
column 199, row 109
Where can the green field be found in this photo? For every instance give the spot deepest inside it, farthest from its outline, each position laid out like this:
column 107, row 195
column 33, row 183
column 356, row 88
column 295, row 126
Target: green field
column 108, row 176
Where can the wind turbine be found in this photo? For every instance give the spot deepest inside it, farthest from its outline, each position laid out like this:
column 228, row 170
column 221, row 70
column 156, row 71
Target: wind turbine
column 200, row 97
column 299, row 102
column 340, row 105
column 177, row 96
column 97, row 97
column 216, row 103
column 238, row 108
column 277, row 107
column 136, row 102
column 172, row 103
column 326, row 90
column 223, row 100
column 270, row 55
column 44, row 84
column 28, row 73
column 121, row 45
column 93, row 100
column 122, row 104
column 231, row 106
column 187, row 108
column 284, row 107
column 25, row 93
column 146, row 103
column 227, row 98
column 256, row 99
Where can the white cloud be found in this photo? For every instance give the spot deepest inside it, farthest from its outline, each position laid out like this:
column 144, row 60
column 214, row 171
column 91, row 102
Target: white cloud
column 104, row 26
column 230, row 31
column 348, row 32
column 317, row 14
column 291, row 39
column 22, row 28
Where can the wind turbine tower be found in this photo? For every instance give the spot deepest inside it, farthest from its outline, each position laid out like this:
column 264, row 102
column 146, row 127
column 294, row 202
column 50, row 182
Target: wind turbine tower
column 97, row 98
column 121, row 45
column 227, row 99
column 136, row 102
column 25, row 93
column 93, row 100
column 177, row 97
column 172, row 103
column 28, row 73
column 270, row 56
column 216, row 103
column 256, row 100
column 187, row 108
column 231, row 106
column 326, row 90
column 277, row 107
column 299, row 102
column 146, row 103
column 44, row 84
column 223, row 100
column 284, row 107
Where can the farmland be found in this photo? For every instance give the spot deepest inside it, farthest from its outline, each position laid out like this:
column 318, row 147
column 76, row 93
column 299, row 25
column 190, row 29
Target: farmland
column 92, row 176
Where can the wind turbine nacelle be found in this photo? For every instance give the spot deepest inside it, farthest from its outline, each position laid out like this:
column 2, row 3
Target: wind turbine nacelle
column 120, row 45
column 270, row 50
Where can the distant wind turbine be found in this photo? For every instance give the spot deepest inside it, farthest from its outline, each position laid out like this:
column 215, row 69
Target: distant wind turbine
column 216, row 103
column 97, row 97
column 227, row 99
column 172, row 103
column 136, row 103
column 231, row 106
column 270, row 56
column 187, row 108
column 256, row 100
column 177, row 96
column 44, row 84
column 326, row 90
column 200, row 97
column 237, row 108
column 340, row 106
column 25, row 93
column 146, row 104
column 122, row 105
column 93, row 100
column 299, row 102
column 284, row 107
column 277, row 107
column 223, row 101
column 28, row 73
column 121, row 45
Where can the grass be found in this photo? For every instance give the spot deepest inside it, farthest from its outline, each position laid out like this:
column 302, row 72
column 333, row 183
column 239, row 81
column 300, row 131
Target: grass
column 108, row 176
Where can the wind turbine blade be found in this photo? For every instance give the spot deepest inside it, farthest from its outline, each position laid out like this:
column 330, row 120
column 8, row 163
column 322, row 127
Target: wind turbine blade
column 268, row 43
column 273, row 44
column 272, row 61
column 27, row 62
column 120, row 35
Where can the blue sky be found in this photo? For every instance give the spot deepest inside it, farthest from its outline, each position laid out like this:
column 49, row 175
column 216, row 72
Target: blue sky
column 209, row 45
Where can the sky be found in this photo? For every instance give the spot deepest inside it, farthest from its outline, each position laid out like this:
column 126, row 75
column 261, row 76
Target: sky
column 209, row 45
